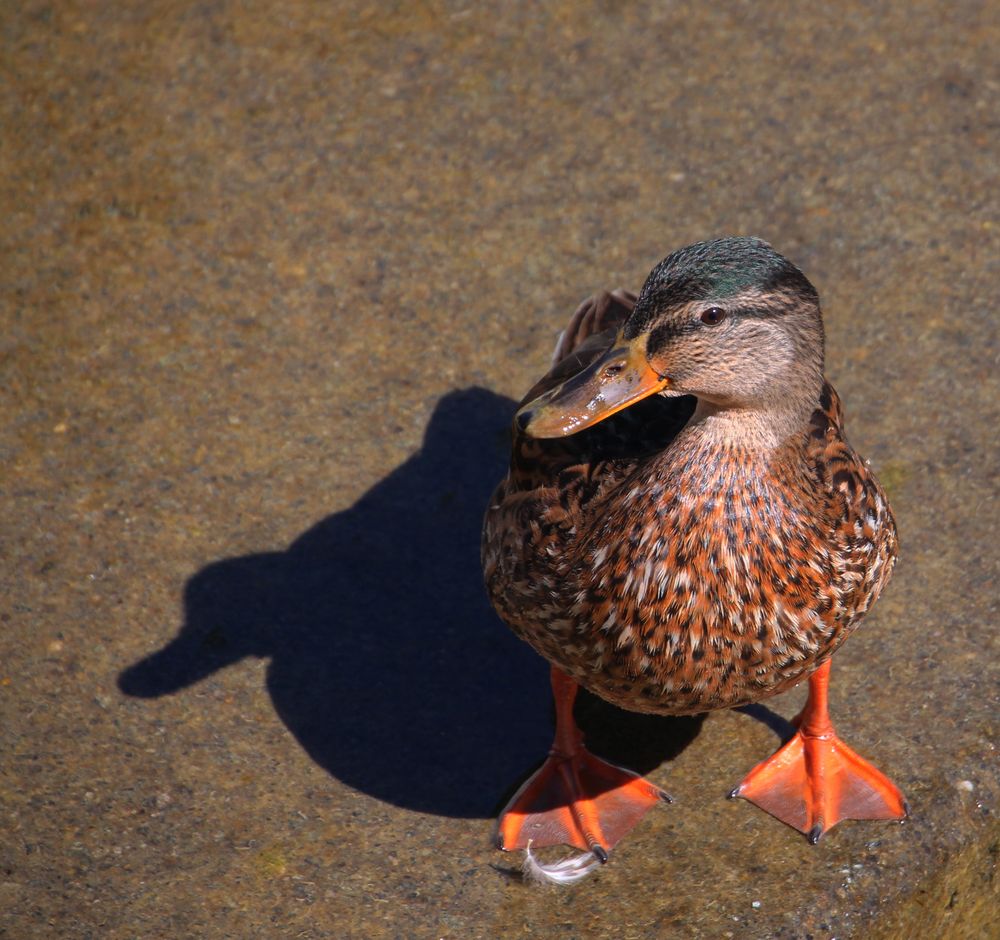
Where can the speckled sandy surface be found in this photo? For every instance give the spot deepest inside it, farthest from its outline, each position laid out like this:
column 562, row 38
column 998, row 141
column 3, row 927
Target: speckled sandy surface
column 271, row 275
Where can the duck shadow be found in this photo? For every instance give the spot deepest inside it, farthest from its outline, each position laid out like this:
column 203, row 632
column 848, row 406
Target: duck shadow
column 387, row 663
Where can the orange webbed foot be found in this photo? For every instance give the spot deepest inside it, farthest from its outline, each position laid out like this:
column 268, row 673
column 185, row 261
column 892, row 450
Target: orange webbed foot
column 577, row 800
column 812, row 783
column 815, row 780
column 573, row 799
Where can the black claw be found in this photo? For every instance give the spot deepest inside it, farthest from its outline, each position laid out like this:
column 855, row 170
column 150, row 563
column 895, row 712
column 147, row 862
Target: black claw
column 602, row 856
column 733, row 794
column 666, row 797
column 815, row 833
column 906, row 809
column 500, row 841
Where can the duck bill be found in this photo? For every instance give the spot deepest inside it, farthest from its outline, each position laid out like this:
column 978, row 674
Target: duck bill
column 621, row 377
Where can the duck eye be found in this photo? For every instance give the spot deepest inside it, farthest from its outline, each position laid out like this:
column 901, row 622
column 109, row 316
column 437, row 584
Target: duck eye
column 713, row 316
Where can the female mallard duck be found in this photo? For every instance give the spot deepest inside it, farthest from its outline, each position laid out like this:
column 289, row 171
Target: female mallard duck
column 683, row 528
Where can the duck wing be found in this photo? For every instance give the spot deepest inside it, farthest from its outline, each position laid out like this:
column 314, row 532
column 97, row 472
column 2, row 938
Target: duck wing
column 864, row 536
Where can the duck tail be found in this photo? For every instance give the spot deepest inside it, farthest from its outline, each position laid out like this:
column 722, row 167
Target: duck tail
column 595, row 315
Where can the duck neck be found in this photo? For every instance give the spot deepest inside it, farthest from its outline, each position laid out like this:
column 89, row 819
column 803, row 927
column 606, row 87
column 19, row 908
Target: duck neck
column 760, row 429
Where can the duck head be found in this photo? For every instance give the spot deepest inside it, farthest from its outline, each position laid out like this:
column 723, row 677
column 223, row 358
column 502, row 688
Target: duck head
column 729, row 321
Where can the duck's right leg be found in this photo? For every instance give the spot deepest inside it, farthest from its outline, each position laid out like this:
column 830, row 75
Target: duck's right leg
column 816, row 780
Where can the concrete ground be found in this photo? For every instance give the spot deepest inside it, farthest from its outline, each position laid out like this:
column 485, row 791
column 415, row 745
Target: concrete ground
column 272, row 274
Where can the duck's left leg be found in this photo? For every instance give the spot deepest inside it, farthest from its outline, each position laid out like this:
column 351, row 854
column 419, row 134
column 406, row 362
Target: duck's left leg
column 575, row 798
column 815, row 780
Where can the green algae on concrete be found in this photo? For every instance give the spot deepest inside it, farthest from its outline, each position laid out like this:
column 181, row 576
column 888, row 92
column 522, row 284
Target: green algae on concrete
column 271, row 278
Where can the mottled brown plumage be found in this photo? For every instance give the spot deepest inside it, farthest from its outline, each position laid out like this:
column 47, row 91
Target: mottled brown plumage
column 712, row 540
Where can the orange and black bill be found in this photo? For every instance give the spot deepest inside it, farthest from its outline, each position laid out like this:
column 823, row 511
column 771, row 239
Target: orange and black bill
column 621, row 377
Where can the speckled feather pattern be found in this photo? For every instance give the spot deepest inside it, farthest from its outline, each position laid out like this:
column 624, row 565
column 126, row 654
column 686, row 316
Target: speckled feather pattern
column 669, row 574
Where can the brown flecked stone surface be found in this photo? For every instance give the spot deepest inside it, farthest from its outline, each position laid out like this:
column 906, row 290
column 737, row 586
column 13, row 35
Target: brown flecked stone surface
column 271, row 274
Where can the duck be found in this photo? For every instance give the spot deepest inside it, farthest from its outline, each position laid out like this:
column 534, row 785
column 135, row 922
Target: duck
column 684, row 528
